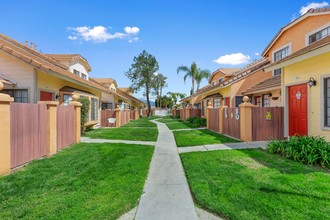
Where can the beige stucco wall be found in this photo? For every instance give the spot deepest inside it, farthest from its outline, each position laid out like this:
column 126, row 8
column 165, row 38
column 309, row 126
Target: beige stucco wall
column 19, row 72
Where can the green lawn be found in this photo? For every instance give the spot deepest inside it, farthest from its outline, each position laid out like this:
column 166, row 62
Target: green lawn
column 180, row 125
column 124, row 133
column 253, row 184
column 85, row 181
column 141, row 123
column 168, row 120
column 199, row 137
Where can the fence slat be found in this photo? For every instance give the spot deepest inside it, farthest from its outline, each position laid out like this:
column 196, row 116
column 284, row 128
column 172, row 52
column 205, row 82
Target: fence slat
column 65, row 126
column 28, row 133
column 105, row 114
column 263, row 129
column 231, row 126
column 214, row 122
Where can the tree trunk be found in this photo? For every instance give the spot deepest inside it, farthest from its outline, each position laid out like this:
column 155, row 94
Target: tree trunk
column 148, row 101
column 160, row 100
column 193, row 85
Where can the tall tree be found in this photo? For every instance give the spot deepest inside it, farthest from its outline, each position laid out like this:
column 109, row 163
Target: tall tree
column 142, row 75
column 200, row 75
column 158, row 84
column 189, row 72
column 176, row 95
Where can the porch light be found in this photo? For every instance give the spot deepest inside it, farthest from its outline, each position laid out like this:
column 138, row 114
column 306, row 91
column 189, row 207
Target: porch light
column 58, row 96
column 312, row 82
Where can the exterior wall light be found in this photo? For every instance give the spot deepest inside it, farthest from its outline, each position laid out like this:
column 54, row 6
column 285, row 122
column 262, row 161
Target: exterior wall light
column 312, row 82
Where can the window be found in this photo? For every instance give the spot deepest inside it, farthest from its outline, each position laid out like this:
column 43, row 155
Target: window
column 213, row 83
column 216, row 103
column 19, row 95
column 76, row 72
column 257, row 101
column 107, row 106
column 67, row 98
column 94, row 109
column 319, row 35
column 327, row 102
column 281, row 54
column 203, row 107
column 266, row 100
column 84, row 76
column 277, row 72
column 238, row 101
column 220, row 80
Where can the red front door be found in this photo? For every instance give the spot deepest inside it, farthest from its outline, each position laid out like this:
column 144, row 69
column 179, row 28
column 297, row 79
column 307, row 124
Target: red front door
column 46, row 96
column 227, row 102
column 298, row 110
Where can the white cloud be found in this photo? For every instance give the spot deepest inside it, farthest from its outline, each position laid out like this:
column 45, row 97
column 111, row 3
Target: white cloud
column 132, row 30
column 72, row 38
column 135, row 39
column 100, row 34
column 233, row 59
column 314, row 5
column 256, row 53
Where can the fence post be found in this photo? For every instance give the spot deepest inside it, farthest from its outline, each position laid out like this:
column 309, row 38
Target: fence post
column 77, row 112
column 246, row 119
column 128, row 115
column 209, row 106
column 221, row 116
column 136, row 113
column 52, row 126
column 5, row 101
column 118, row 117
column 188, row 112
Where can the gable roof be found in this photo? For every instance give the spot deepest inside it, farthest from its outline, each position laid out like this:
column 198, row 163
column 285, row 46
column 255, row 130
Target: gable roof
column 264, row 86
column 310, row 12
column 106, row 81
column 70, row 58
column 223, row 71
column 41, row 61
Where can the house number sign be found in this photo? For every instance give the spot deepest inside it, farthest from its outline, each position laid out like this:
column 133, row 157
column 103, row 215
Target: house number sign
column 298, row 95
column 268, row 116
column 237, row 114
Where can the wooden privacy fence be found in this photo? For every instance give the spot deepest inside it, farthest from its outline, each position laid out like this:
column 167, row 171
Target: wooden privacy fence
column 105, row 115
column 175, row 112
column 28, row 132
column 65, row 126
column 195, row 113
column 122, row 117
column 214, row 123
column 248, row 122
column 185, row 113
column 31, row 131
column 231, row 122
column 267, row 123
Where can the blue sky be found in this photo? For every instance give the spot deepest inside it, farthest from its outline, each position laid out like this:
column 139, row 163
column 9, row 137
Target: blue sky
column 176, row 32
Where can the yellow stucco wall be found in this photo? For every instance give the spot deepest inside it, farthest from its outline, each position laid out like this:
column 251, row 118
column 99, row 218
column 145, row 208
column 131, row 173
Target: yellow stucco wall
column 298, row 73
column 49, row 83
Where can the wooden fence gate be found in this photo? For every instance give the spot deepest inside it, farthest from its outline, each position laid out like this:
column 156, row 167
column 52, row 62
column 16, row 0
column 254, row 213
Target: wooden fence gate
column 105, row 114
column 195, row 113
column 65, row 126
column 28, row 132
column 214, row 123
column 231, row 122
column 267, row 123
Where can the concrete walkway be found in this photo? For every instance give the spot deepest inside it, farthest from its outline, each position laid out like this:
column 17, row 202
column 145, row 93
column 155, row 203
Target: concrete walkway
column 166, row 192
column 189, row 129
column 228, row 146
column 92, row 140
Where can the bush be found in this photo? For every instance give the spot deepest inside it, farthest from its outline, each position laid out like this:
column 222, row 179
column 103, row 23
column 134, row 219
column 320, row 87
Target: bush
column 305, row 149
column 177, row 116
column 200, row 122
column 84, row 112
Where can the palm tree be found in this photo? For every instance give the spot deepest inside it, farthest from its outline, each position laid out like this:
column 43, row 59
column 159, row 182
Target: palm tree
column 176, row 95
column 190, row 72
column 158, row 84
column 202, row 74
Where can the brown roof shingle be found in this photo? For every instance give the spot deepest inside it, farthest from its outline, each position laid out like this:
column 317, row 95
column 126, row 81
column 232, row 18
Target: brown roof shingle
column 41, row 61
column 268, row 84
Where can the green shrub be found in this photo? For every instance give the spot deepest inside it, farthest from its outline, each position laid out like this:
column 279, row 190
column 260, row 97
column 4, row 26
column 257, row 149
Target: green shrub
column 200, row 122
column 84, row 112
column 177, row 117
column 305, row 149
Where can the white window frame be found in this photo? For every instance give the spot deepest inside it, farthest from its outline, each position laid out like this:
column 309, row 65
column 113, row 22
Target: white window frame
column 213, row 83
column 281, row 48
column 221, row 80
column 323, row 127
column 277, row 69
column 315, row 31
